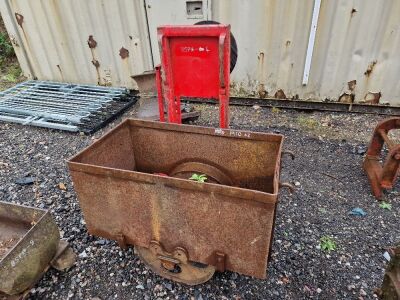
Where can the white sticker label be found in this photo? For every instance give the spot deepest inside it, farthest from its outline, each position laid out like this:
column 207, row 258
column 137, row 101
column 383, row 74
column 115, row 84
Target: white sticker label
column 219, row 131
column 239, row 133
column 234, row 133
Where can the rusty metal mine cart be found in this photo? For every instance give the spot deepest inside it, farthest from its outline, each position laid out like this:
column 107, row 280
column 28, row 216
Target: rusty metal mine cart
column 29, row 244
column 133, row 187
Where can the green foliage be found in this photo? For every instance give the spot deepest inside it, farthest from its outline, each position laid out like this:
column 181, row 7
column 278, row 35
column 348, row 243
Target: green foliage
column 275, row 110
column 6, row 49
column 198, row 177
column 13, row 73
column 327, row 243
column 385, row 205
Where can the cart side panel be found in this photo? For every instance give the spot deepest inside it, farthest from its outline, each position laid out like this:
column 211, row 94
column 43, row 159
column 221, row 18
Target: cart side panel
column 250, row 163
column 25, row 262
column 200, row 221
column 114, row 150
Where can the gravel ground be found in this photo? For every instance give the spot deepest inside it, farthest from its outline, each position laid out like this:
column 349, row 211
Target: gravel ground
column 329, row 181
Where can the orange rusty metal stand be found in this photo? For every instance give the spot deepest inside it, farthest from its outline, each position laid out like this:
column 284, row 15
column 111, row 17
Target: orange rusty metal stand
column 383, row 177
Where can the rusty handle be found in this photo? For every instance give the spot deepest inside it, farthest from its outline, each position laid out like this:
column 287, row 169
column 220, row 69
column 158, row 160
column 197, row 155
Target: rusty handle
column 288, row 186
column 288, row 152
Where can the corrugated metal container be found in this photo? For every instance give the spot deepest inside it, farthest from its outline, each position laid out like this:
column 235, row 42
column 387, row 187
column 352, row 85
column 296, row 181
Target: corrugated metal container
column 355, row 40
column 354, row 53
column 51, row 37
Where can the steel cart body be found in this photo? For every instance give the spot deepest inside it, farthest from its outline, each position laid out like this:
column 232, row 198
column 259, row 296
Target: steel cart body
column 133, row 187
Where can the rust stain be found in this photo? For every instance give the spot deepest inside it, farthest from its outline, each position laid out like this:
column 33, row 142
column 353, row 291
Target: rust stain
column 352, row 84
column 61, row 73
column 372, row 98
column 96, row 63
column 20, row 19
column 91, row 42
column 124, row 53
column 155, row 219
column 262, row 93
column 370, row 68
column 346, row 98
column 280, row 94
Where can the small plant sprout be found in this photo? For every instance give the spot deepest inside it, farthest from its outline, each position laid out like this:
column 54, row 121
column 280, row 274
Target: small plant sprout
column 275, row 110
column 198, row 177
column 327, row 244
column 385, row 205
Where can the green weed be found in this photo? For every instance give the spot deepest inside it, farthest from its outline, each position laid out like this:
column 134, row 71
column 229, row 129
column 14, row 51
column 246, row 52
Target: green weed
column 6, row 49
column 307, row 122
column 385, row 205
column 12, row 73
column 327, row 243
column 275, row 110
column 198, row 177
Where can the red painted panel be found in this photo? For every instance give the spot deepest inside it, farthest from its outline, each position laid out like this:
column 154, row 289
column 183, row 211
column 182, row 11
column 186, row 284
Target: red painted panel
column 195, row 66
column 195, row 62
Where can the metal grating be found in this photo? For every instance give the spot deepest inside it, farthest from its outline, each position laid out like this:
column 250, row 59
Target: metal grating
column 63, row 106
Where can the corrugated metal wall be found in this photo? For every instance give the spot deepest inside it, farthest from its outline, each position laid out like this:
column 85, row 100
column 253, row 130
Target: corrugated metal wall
column 355, row 53
column 51, row 39
column 355, row 40
column 272, row 39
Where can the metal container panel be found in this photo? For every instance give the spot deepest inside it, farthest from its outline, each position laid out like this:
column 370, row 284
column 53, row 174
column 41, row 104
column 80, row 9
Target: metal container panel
column 116, row 179
column 51, row 40
column 355, row 40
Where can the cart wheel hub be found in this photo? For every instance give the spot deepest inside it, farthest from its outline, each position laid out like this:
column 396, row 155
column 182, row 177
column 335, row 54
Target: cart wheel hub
column 176, row 265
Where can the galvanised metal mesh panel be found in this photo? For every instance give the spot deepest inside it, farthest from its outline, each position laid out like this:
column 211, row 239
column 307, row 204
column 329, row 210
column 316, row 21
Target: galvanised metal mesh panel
column 63, row 106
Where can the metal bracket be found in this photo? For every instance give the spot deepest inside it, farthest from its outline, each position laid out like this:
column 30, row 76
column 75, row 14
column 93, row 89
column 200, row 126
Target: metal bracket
column 64, row 258
column 290, row 153
column 383, row 176
column 174, row 265
column 220, row 258
column 120, row 238
column 288, row 186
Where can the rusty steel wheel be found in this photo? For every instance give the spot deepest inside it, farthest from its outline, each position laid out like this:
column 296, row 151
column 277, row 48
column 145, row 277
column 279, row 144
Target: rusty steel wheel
column 176, row 265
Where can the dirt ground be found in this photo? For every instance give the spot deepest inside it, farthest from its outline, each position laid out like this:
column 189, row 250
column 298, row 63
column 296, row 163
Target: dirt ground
column 329, row 180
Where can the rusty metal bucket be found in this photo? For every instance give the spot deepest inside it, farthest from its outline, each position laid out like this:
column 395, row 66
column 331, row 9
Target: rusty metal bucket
column 29, row 243
column 133, row 186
